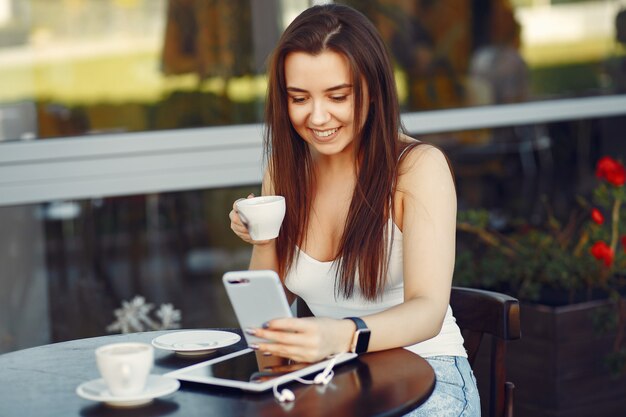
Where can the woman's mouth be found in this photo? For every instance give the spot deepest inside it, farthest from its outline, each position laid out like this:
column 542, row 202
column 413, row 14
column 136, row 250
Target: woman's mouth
column 324, row 134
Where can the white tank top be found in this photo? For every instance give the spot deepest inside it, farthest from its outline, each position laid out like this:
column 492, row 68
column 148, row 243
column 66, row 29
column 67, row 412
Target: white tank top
column 314, row 282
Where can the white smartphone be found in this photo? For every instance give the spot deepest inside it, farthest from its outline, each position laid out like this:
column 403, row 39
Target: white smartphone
column 256, row 297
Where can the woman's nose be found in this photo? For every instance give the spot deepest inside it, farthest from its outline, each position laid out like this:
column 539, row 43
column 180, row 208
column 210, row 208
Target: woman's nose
column 319, row 114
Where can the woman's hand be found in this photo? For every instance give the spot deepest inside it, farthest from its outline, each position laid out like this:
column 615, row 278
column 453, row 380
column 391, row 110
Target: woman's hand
column 238, row 225
column 308, row 339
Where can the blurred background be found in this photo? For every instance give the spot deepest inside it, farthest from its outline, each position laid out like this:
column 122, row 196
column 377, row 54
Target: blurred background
column 128, row 128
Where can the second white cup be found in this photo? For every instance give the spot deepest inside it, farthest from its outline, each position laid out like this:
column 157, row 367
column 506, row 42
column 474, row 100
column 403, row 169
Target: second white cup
column 125, row 366
column 262, row 215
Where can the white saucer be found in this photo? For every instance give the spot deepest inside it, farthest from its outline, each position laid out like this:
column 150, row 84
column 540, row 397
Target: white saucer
column 195, row 342
column 156, row 386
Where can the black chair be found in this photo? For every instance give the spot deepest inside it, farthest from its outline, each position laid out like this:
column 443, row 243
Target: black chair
column 480, row 312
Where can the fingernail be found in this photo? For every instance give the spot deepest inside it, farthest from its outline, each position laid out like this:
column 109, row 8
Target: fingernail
column 250, row 331
column 266, row 325
column 253, row 346
column 251, row 195
column 267, row 354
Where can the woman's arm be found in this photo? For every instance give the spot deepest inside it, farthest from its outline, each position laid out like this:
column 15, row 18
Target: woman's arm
column 263, row 252
column 429, row 235
column 428, row 222
column 264, row 256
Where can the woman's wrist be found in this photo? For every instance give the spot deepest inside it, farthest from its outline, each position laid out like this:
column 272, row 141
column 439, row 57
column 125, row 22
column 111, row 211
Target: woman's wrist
column 265, row 244
column 264, row 257
column 347, row 335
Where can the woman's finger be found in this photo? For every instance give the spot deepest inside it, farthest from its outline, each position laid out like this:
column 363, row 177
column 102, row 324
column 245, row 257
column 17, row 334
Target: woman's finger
column 235, row 203
column 236, row 224
column 238, row 228
column 285, row 338
column 251, row 195
column 288, row 324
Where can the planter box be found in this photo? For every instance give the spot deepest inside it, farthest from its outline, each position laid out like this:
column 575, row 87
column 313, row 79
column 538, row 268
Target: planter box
column 558, row 365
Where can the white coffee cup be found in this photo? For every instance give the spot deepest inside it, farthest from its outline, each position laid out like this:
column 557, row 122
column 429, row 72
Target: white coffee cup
column 262, row 216
column 125, row 366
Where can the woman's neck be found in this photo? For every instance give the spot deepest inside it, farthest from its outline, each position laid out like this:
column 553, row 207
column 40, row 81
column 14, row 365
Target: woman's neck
column 332, row 171
column 340, row 165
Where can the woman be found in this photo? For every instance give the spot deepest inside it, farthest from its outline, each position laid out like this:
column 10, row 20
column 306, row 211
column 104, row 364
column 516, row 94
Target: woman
column 359, row 194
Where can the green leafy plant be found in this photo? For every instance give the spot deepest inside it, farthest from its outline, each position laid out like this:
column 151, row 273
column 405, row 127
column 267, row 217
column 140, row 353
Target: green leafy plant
column 557, row 262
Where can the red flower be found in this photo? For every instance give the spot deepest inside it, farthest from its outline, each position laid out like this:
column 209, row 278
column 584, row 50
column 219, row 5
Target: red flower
column 623, row 239
column 611, row 170
column 602, row 252
column 596, row 216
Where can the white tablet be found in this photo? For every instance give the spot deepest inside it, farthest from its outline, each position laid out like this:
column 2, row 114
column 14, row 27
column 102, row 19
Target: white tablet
column 240, row 370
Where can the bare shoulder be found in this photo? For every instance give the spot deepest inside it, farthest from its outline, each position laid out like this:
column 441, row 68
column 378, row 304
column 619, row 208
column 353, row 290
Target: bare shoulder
column 425, row 186
column 423, row 161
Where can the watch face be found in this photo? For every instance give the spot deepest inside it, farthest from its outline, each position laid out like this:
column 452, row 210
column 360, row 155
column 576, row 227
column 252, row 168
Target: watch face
column 362, row 340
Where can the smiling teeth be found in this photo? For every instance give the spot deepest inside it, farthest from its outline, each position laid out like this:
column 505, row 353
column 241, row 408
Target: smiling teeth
column 324, row 134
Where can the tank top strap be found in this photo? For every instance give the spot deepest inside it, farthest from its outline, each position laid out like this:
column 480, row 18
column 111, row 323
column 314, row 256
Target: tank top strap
column 411, row 146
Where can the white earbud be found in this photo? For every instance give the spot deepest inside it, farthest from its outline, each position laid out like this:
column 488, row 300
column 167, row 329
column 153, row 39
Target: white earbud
column 285, row 395
column 323, row 378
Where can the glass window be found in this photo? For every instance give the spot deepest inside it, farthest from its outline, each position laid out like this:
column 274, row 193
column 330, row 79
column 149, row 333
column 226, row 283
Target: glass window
column 456, row 54
column 520, row 171
column 68, row 265
column 70, row 68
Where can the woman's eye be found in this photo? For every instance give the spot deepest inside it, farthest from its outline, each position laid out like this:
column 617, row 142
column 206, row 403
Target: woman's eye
column 297, row 99
column 339, row 99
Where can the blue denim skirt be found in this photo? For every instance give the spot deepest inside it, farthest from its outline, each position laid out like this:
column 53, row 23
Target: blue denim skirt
column 455, row 391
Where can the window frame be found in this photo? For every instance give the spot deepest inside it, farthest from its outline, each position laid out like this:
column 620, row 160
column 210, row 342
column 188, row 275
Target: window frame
column 35, row 171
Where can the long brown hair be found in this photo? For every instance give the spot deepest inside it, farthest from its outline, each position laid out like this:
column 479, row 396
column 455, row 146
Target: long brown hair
column 364, row 243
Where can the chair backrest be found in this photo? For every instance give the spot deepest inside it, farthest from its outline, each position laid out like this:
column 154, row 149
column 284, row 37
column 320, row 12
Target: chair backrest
column 480, row 312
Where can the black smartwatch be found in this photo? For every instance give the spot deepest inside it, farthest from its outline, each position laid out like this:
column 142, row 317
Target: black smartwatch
column 361, row 339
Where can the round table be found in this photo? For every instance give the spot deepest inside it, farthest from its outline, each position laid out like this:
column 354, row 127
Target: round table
column 41, row 382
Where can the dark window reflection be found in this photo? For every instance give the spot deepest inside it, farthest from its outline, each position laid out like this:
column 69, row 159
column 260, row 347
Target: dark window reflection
column 520, row 171
column 455, row 54
column 68, row 265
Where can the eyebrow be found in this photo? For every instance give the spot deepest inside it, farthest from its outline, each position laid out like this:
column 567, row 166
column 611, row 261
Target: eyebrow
column 337, row 87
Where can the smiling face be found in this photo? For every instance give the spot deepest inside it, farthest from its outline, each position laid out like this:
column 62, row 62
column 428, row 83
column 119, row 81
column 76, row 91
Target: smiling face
column 321, row 101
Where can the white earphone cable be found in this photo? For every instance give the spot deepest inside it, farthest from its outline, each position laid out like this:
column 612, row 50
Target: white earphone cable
column 322, row 378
